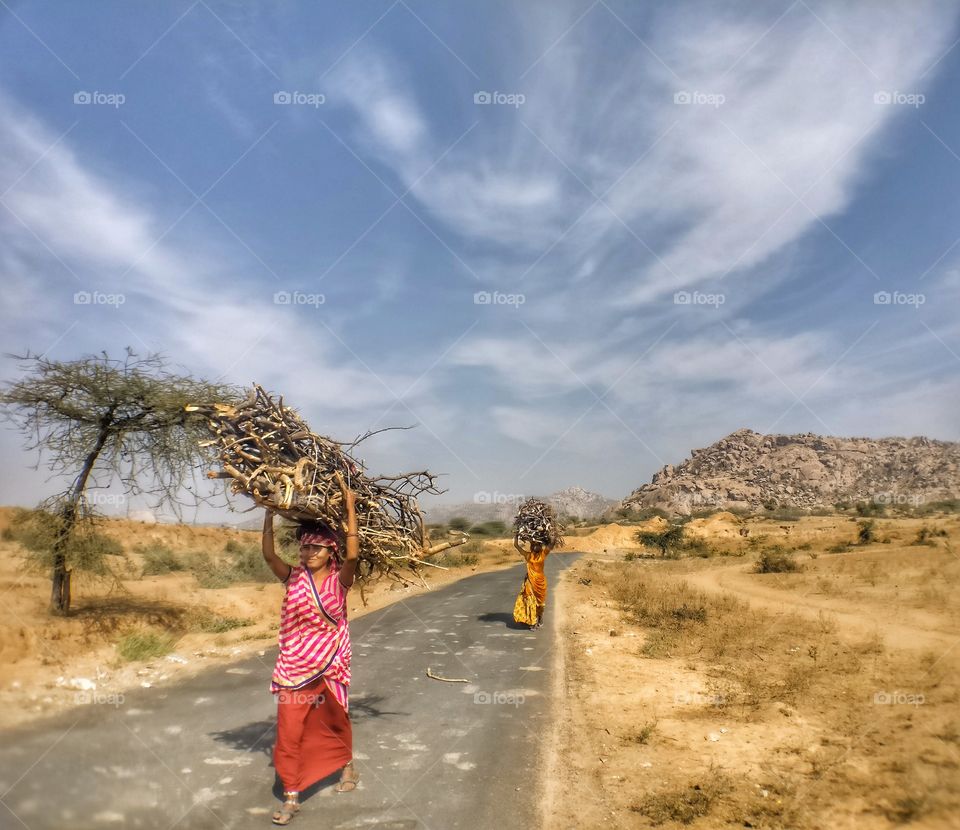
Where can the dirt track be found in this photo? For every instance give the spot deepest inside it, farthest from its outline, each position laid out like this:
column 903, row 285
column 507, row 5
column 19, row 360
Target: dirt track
column 919, row 632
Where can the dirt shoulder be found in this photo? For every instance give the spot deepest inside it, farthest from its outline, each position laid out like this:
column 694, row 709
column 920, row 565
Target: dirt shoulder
column 679, row 706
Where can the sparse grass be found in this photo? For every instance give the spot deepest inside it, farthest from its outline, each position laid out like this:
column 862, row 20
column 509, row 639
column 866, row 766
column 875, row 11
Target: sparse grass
column 244, row 564
column 645, row 732
column 684, row 804
column 211, row 623
column 145, row 645
column 775, row 560
column 159, row 559
column 928, row 535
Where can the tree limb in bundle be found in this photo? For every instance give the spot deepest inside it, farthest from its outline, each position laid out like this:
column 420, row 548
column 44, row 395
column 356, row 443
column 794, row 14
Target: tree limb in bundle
column 269, row 453
column 536, row 521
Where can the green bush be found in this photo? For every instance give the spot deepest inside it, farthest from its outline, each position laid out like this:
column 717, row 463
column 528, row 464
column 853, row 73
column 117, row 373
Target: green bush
column 460, row 523
column 869, row 508
column 668, row 541
column 775, row 560
column 489, row 529
column 159, row 559
column 145, row 645
column 246, row 564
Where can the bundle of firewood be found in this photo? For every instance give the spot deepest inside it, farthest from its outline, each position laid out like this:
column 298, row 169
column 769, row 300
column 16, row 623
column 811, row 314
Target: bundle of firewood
column 536, row 521
column 272, row 456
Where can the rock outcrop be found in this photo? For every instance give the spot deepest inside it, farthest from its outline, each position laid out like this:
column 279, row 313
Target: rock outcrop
column 749, row 470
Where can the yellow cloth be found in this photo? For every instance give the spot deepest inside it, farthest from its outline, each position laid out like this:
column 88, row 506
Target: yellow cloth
column 533, row 594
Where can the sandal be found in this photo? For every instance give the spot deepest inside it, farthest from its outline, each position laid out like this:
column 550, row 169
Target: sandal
column 348, row 779
column 287, row 811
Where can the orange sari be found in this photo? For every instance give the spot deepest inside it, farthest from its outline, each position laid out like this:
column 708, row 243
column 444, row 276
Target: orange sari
column 533, row 594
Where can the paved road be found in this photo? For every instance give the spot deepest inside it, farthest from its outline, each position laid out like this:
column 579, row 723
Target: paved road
column 431, row 754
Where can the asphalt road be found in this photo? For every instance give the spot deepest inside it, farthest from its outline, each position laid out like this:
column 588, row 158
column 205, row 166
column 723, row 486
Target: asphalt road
column 430, row 754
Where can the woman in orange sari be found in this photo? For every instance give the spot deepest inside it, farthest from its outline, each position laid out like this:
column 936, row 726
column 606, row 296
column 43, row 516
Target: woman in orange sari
column 312, row 675
column 532, row 599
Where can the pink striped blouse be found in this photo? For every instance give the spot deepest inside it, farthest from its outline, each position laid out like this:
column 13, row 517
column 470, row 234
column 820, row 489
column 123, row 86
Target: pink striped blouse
column 314, row 636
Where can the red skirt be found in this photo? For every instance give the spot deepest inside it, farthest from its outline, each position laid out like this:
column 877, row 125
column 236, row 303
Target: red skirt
column 314, row 736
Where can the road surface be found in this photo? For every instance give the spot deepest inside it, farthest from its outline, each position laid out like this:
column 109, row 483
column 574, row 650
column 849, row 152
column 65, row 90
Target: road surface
column 431, row 754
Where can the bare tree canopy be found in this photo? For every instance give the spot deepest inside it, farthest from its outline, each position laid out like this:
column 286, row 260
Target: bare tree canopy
column 97, row 420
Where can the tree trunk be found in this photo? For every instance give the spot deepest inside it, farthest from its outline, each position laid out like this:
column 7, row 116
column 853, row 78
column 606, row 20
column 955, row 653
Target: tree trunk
column 60, row 580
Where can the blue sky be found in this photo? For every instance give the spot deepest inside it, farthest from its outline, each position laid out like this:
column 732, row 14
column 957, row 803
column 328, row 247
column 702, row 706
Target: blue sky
column 688, row 217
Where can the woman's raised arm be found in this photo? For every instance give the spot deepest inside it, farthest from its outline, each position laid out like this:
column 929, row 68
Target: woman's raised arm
column 280, row 568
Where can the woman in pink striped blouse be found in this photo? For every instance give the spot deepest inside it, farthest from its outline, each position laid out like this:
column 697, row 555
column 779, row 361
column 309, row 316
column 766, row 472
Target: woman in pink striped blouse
column 312, row 674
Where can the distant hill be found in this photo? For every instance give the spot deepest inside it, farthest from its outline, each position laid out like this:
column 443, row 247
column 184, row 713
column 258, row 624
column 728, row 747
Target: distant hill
column 573, row 501
column 747, row 469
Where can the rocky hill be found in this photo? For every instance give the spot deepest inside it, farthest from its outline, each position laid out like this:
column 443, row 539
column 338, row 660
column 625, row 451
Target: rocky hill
column 573, row 501
column 749, row 470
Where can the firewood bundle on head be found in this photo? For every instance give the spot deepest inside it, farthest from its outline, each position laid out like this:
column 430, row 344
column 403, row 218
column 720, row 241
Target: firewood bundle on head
column 536, row 521
column 271, row 455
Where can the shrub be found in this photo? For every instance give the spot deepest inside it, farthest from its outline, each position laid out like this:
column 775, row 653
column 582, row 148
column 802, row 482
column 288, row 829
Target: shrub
column 159, row 559
column 460, row 523
column 144, row 645
column 775, row 561
column 926, row 535
column 494, row 528
column 865, row 531
column 667, row 541
column 869, row 508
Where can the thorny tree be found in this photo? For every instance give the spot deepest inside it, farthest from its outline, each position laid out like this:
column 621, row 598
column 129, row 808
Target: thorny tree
column 99, row 419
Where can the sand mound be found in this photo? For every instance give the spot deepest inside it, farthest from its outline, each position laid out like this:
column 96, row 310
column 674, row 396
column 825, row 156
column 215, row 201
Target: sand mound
column 613, row 537
column 722, row 525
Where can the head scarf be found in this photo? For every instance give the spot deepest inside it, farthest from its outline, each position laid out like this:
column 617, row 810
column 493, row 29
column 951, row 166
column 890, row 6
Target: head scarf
column 322, row 536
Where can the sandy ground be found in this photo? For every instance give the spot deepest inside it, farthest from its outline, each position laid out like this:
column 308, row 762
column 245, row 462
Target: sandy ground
column 826, row 698
column 49, row 663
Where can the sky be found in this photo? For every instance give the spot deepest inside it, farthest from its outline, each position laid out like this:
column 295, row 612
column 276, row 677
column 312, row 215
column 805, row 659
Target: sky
column 566, row 241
